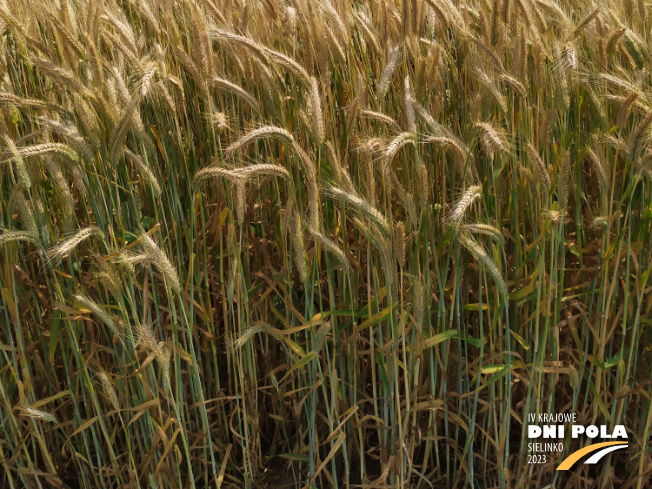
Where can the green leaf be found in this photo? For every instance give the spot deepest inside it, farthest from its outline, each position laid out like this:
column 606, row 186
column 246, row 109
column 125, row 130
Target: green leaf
column 382, row 371
column 302, row 362
column 375, row 319
column 477, row 342
column 520, row 339
column 436, row 339
column 55, row 335
column 297, row 457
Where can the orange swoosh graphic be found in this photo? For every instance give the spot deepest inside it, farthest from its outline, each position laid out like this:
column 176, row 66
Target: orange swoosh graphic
column 575, row 456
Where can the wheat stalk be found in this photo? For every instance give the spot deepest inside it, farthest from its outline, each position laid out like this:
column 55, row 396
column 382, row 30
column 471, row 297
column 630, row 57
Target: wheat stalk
column 543, row 176
column 469, row 196
column 362, row 206
column 100, row 313
column 9, row 236
column 156, row 256
column 58, row 252
column 235, row 89
column 257, row 134
column 480, row 254
column 38, row 414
